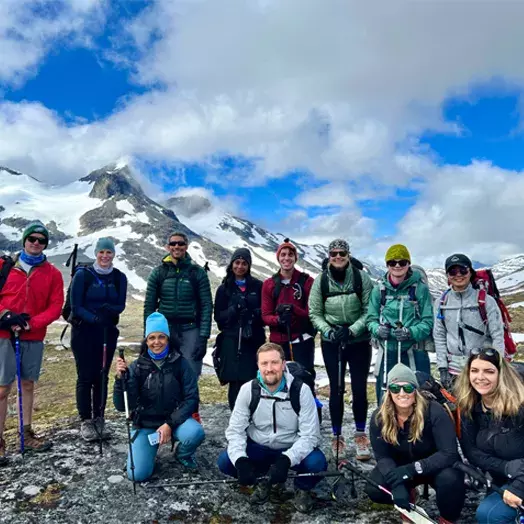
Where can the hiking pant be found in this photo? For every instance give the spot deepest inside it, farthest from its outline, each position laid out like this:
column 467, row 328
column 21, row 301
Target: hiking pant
column 448, row 484
column 358, row 357
column 493, row 510
column 303, row 353
column 188, row 345
column 420, row 357
column 87, row 344
column 263, row 457
column 232, row 393
column 190, row 435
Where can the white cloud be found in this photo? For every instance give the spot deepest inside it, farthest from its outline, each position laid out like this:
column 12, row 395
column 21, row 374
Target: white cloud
column 29, row 29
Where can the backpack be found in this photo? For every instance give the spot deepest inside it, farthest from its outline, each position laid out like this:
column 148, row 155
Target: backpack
column 300, row 376
column 6, row 268
column 356, row 266
column 484, row 281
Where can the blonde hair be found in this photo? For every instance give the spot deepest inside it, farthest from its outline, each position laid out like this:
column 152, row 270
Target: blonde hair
column 271, row 346
column 387, row 416
column 508, row 396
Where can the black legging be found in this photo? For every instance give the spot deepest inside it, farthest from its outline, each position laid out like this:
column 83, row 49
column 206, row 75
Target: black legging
column 87, row 342
column 358, row 357
column 448, row 485
column 232, row 393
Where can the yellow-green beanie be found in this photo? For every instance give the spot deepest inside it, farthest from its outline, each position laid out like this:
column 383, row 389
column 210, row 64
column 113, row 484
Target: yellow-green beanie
column 398, row 252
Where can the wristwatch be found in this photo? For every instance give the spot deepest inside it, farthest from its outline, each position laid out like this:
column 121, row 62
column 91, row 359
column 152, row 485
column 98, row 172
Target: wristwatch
column 418, row 468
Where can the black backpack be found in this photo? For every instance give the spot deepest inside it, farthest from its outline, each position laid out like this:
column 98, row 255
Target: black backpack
column 300, row 376
column 6, row 268
column 356, row 267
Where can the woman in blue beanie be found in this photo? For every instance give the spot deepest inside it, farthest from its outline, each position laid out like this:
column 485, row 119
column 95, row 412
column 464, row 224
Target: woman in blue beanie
column 98, row 297
column 162, row 393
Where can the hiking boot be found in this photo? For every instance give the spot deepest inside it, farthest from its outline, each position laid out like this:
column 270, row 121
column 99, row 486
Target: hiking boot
column 278, row 493
column 3, row 453
column 188, row 462
column 303, row 501
column 34, row 443
column 88, row 431
column 339, row 443
column 362, row 444
column 261, row 494
column 101, row 429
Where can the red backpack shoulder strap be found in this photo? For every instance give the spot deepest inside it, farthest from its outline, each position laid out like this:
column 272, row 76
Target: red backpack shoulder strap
column 482, row 304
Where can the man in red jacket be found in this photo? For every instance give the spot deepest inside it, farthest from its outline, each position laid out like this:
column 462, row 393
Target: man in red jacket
column 285, row 308
column 30, row 300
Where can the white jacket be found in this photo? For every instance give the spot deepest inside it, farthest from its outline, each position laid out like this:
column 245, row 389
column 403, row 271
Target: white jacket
column 462, row 309
column 299, row 435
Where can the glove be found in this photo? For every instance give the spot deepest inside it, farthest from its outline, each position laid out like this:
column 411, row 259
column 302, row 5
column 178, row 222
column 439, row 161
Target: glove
column 399, row 475
column 401, row 334
column 284, row 312
column 240, row 302
column 11, row 319
column 245, row 472
column 514, row 468
column 383, row 331
column 401, row 496
column 103, row 319
column 445, row 378
column 340, row 334
column 201, row 348
column 279, row 470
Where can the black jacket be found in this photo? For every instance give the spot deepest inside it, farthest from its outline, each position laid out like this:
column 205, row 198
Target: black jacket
column 489, row 444
column 436, row 451
column 157, row 396
column 239, row 365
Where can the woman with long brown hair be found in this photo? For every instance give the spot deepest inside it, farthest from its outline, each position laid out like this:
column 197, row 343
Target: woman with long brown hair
column 490, row 396
column 414, row 442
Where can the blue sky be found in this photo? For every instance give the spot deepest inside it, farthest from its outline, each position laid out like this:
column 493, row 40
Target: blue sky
column 268, row 134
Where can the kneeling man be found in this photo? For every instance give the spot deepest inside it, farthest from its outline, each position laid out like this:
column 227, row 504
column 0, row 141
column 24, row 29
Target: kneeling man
column 273, row 428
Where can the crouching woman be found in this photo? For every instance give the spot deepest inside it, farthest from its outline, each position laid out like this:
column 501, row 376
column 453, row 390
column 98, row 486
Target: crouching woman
column 414, row 442
column 490, row 395
column 162, row 394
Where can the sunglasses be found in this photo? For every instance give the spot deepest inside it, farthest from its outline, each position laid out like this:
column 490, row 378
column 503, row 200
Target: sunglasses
column 179, row 243
column 334, row 254
column 395, row 388
column 489, row 352
column 41, row 241
column 394, row 263
column 454, row 271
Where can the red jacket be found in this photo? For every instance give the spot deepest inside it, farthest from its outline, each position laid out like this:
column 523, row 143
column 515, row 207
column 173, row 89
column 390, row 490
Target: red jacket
column 289, row 294
column 40, row 295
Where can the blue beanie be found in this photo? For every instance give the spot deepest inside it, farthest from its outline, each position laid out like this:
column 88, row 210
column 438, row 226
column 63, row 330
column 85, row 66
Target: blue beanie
column 156, row 323
column 104, row 243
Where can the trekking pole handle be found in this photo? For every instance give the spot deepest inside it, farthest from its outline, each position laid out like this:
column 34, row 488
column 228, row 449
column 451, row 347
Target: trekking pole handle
column 476, row 475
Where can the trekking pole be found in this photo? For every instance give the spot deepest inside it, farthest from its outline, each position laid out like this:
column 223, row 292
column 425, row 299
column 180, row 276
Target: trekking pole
column 19, row 385
column 71, row 261
column 340, row 387
column 476, row 475
column 103, row 387
column 235, row 481
column 128, row 422
column 288, row 328
column 239, row 348
column 420, row 517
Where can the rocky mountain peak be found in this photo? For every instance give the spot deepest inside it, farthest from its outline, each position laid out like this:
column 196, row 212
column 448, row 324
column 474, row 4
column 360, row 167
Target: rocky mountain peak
column 189, row 205
column 114, row 181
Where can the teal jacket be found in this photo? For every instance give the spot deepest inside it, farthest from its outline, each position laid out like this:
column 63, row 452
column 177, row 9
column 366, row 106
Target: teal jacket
column 171, row 291
column 342, row 309
column 419, row 324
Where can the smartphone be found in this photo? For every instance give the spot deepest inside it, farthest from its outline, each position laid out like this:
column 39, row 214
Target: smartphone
column 154, row 438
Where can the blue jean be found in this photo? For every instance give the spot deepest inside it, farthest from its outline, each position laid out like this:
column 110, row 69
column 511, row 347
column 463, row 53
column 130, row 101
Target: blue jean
column 493, row 510
column 263, row 457
column 190, row 434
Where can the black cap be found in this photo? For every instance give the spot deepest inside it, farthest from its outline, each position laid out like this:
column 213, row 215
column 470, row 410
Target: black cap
column 458, row 260
column 242, row 253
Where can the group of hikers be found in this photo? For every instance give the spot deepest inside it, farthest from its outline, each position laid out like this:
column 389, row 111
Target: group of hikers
column 275, row 417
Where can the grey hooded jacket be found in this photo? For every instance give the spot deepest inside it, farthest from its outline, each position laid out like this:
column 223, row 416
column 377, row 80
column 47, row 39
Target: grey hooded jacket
column 453, row 340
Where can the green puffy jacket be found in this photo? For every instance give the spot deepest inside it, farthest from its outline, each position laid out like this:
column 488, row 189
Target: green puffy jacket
column 340, row 309
column 170, row 291
column 419, row 324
